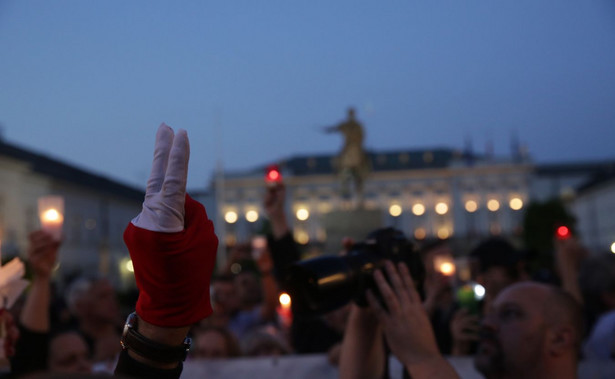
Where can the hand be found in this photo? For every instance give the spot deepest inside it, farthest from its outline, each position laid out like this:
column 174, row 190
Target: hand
column 172, row 242
column 42, row 253
column 12, row 332
column 274, row 200
column 569, row 254
column 163, row 208
column 465, row 329
column 265, row 262
column 437, row 285
column 405, row 325
column 273, row 203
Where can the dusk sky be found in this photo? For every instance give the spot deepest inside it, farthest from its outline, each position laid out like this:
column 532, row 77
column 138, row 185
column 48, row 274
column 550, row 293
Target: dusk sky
column 253, row 82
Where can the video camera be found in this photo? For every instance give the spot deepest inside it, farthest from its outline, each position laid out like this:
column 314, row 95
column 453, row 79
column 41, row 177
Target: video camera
column 323, row 284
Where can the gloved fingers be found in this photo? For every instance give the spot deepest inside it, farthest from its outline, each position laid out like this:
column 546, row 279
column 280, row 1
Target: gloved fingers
column 174, row 186
column 162, row 148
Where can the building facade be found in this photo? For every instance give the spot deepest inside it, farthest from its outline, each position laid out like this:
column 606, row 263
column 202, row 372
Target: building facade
column 96, row 212
column 438, row 193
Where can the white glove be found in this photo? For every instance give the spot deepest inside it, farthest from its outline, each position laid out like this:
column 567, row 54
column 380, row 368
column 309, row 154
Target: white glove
column 165, row 195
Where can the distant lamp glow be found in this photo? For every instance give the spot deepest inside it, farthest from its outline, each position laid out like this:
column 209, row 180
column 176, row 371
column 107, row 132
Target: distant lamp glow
column 251, row 215
column 418, row 209
column 231, row 217
column 493, row 205
column 420, row 233
column 441, row 208
column 443, row 233
column 302, row 214
column 516, row 203
column 395, row 210
column 129, row 266
column 471, row 206
column 302, row 237
column 613, row 248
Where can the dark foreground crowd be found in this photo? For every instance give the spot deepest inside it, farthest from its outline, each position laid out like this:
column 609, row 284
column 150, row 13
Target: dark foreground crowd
column 187, row 309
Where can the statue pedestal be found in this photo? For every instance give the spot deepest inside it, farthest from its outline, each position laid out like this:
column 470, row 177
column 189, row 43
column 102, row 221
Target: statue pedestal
column 354, row 223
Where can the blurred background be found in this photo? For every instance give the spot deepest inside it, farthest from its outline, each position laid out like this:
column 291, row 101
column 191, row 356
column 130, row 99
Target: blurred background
column 479, row 118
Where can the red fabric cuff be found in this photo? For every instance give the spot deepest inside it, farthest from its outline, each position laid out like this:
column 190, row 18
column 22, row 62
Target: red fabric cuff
column 173, row 270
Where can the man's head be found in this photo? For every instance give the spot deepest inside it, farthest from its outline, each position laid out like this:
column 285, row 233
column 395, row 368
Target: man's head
column 500, row 265
column 224, row 298
column 69, row 353
column 93, row 300
column 214, row 343
column 530, row 329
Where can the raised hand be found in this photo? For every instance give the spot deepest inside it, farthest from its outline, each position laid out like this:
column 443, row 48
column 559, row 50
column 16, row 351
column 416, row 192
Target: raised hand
column 163, row 208
column 42, row 253
column 406, row 327
column 171, row 242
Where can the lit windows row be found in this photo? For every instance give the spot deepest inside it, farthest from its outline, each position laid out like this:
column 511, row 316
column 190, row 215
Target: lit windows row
column 471, row 206
column 231, row 216
column 395, row 210
column 252, row 215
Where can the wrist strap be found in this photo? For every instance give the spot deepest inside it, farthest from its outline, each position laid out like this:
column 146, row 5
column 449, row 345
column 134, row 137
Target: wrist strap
column 149, row 349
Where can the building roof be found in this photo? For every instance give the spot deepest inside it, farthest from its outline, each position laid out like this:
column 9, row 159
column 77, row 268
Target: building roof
column 570, row 168
column 45, row 165
column 323, row 164
column 600, row 178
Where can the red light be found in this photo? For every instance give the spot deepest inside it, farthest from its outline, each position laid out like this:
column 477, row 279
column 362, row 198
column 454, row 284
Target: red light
column 273, row 175
column 563, row 232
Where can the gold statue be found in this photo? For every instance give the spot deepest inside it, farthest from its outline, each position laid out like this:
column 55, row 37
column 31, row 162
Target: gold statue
column 352, row 163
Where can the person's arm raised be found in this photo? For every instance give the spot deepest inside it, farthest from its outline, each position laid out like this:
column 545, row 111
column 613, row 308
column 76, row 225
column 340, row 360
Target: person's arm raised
column 406, row 326
column 173, row 248
column 42, row 254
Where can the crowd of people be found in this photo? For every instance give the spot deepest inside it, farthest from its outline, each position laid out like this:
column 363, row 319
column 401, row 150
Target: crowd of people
column 517, row 327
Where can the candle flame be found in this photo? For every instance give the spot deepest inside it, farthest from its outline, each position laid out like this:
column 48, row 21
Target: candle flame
column 285, row 300
column 52, row 215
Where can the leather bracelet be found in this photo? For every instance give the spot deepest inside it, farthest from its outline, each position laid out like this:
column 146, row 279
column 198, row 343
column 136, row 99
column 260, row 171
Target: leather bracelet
column 149, row 349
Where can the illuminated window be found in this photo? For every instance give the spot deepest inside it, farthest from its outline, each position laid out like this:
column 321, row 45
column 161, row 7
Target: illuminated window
column 324, row 207
column 302, row 237
column 441, row 208
column 516, row 203
column 302, row 214
column 230, row 217
column 251, row 215
column 471, row 206
column 395, row 210
column 493, row 205
column 230, row 240
column 443, row 233
column 418, row 209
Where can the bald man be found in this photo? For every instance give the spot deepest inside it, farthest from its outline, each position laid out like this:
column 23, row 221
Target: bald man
column 532, row 330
